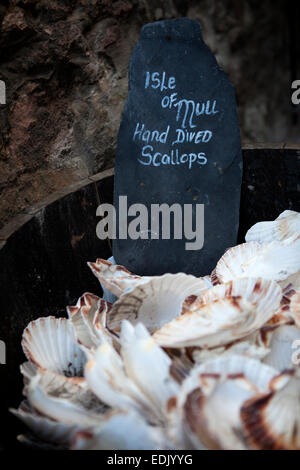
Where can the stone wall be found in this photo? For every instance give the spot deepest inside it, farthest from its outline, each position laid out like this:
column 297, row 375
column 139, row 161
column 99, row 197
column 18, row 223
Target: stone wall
column 65, row 66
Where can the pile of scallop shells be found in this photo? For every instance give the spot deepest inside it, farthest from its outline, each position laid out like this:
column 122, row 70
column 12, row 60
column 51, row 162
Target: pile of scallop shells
column 176, row 362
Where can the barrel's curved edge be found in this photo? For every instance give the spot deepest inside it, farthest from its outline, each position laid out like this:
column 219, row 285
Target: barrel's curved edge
column 270, row 146
column 18, row 221
column 21, row 219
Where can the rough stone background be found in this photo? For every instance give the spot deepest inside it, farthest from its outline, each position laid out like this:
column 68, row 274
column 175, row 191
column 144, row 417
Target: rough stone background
column 65, row 66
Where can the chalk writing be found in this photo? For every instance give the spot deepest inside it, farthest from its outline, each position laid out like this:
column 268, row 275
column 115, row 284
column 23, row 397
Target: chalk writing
column 146, row 135
column 187, row 109
column 186, row 113
column 157, row 82
column 174, row 157
column 196, row 137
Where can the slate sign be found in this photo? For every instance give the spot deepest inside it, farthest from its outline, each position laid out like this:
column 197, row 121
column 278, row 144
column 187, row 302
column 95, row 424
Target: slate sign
column 179, row 143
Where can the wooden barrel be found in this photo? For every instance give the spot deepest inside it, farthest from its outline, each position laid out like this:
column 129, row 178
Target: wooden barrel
column 43, row 252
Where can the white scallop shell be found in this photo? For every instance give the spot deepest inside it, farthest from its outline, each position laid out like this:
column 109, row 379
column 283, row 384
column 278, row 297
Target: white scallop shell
column 60, row 399
column 293, row 281
column 272, row 421
column 106, row 377
column 275, row 261
column 114, row 277
column 147, row 365
column 283, row 316
column 223, row 314
column 285, row 226
column 139, row 379
column 88, row 317
column 50, row 344
column 257, row 373
column 188, row 301
column 211, row 397
column 121, row 430
column 245, row 347
column 255, row 290
column 45, row 428
column 213, row 414
column 214, row 324
column 282, row 355
column 28, row 370
column 157, row 301
column 295, row 308
column 266, row 295
column 256, row 346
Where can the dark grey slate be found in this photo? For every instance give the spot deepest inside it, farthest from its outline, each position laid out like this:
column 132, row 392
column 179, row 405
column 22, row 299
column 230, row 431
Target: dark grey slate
column 200, row 172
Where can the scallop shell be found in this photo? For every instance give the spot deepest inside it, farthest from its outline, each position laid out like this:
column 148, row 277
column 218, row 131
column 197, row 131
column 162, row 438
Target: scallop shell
column 157, row 301
column 283, row 316
column 274, row 261
column 88, row 317
column 114, row 277
column 266, row 295
column 59, row 399
column 272, row 420
column 147, row 365
column 245, row 347
column 281, row 353
column 191, row 298
column 293, row 280
column 257, row 290
column 45, row 428
column 254, row 371
column 28, row 370
column 121, row 430
column 255, row 346
column 182, row 363
column 211, row 397
column 214, row 324
column 295, row 308
column 223, row 314
column 50, row 344
column 285, row 226
column 106, row 377
column 204, row 412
